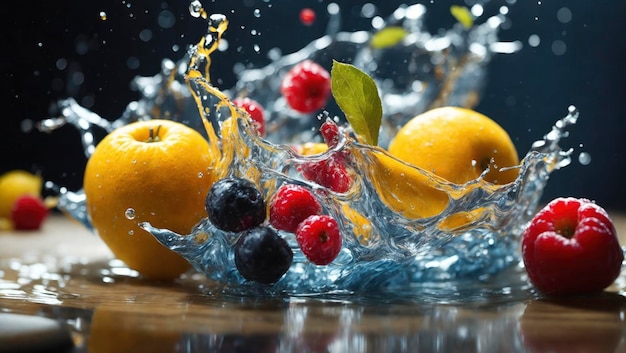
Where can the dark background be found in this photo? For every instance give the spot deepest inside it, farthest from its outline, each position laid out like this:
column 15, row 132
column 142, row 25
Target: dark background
column 59, row 49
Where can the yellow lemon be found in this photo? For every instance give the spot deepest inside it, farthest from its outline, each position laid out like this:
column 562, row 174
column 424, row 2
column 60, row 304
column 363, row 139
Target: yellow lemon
column 457, row 144
column 14, row 184
column 160, row 172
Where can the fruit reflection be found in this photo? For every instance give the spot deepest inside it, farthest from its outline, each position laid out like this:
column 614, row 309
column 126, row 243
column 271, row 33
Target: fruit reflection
column 123, row 329
column 594, row 324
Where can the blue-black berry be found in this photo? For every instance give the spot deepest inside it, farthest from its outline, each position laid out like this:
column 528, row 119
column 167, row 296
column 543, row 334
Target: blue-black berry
column 235, row 204
column 261, row 255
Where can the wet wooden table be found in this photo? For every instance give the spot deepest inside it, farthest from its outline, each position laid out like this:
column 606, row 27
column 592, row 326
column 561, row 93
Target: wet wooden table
column 66, row 273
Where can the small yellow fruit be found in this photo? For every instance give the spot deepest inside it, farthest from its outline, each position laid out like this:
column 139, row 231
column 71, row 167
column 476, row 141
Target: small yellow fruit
column 457, row 144
column 162, row 171
column 14, row 184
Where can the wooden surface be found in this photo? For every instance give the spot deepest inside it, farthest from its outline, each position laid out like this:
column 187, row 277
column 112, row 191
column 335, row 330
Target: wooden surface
column 66, row 273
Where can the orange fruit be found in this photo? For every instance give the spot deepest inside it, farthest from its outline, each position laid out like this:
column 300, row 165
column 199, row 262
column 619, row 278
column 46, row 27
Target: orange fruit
column 405, row 189
column 162, row 171
column 457, row 144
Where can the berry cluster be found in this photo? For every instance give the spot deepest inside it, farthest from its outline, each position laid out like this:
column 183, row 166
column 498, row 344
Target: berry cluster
column 236, row 205
column 293, row 208
column 330, row 172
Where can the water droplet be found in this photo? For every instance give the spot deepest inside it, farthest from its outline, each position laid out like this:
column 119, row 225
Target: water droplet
column 368, row 10
column 534, row 40
column 332, row 8
column 564, row 15
column 559, row 47
column 477, row 10
column 27, row 125
column 103, row 15
column 131, row 232
column 378, row 22
column 130, row 213
column 257, row 13
column 200, row 175
column 132, row 63
column 145, row 35
column 195, row 9
column 166, row 19
column 61, row 64
column 584, row 158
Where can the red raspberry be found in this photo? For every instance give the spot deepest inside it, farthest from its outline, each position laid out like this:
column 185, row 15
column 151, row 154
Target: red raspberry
column 319, row 239
column 290, row 205
column 28, row 213
column 329, row 173
column 571, row 247
column 255, row 110
column 330, row 132
column 306, row 87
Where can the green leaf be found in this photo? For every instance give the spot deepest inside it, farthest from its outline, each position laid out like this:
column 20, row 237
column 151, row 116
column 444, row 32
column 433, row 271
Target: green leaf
column 463, row 15
column 388, row 37
column 357, row 96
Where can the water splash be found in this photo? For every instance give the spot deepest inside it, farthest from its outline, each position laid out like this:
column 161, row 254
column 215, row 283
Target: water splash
column 475, row 237
column 399, row 253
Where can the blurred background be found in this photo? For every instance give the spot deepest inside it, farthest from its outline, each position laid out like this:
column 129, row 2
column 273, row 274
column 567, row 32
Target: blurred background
column 573, row 54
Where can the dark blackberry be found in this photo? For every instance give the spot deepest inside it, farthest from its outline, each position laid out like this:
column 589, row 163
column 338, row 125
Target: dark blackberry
column 261, row 255
column 235, row 204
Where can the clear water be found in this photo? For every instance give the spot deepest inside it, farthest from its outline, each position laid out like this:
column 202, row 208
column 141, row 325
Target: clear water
column 395, row 254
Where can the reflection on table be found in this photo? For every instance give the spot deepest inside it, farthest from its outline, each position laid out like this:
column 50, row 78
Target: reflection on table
column 109, row 309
